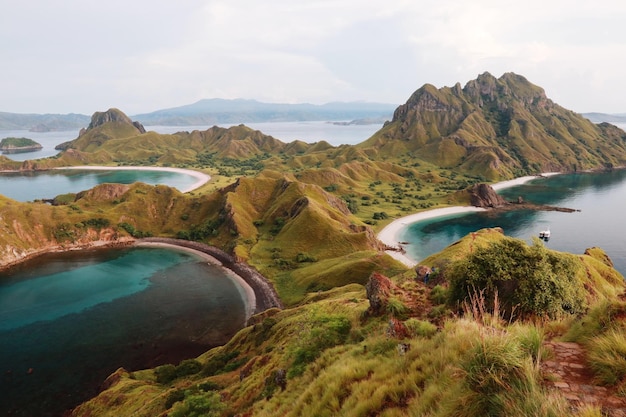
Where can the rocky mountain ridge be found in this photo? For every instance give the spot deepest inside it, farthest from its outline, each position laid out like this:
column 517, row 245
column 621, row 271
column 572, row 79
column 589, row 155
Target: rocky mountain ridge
column 499, row 128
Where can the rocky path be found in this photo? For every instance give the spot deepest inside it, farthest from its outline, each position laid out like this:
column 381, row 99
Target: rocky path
column 569, row 372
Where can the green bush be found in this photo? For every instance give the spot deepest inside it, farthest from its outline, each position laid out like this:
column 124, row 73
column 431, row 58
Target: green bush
column 207, row 404
column 165, row 373
column 529, row 280
column 420, row 328
column 188, row 367
column 217, row 363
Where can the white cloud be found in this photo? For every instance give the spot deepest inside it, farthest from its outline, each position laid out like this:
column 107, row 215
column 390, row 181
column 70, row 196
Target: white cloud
column 83, row 55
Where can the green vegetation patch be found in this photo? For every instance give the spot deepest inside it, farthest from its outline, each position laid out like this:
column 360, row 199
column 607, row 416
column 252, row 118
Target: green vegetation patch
column 527, row 280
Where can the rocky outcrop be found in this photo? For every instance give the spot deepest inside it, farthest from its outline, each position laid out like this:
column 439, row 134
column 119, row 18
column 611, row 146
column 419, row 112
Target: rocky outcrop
column 110, row 124
column 483, row 195
column 378, row 289
column 104, row 192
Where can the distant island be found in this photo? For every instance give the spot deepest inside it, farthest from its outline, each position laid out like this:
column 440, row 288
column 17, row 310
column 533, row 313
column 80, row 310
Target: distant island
column 19, row 145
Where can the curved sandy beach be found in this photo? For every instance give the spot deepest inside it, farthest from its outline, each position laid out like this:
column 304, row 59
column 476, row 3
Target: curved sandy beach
column 256, row 291
column 200, row 176
column 389, row 234
column 245, row 290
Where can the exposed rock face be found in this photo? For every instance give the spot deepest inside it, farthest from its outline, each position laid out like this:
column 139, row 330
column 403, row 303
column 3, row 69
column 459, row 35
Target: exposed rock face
column 104, row 192
column 378, row 288
column 483, row 195
column 422, row 271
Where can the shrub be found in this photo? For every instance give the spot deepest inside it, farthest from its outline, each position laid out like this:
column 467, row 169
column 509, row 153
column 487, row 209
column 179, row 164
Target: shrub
column 305, row 257
column 165, row 373
column 188, row 367
column 174, row 397
column 217, row 363
column 530, row 280
column 420, row 328
column 207, row 404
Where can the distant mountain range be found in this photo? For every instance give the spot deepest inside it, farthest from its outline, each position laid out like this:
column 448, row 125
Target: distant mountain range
column 605, row 117
column 215, row 111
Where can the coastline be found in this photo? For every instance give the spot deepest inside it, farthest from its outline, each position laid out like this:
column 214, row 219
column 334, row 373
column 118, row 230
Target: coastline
column 257, row 292
column 390, row 233
column 201, row 177
column 245, row 290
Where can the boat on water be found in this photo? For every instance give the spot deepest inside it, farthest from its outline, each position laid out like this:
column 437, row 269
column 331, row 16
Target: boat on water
column 544, row 234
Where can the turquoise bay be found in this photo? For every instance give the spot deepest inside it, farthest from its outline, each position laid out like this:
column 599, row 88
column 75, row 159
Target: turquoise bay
column 600, row 197
column 68, row 320
column 29, row 186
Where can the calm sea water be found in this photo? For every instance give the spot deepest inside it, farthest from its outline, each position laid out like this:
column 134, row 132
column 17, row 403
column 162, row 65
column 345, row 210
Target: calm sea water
column 600, row 197
column 29, row 186
column 69, row 320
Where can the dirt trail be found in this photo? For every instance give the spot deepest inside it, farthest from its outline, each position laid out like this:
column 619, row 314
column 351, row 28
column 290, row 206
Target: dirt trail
column 569, row 372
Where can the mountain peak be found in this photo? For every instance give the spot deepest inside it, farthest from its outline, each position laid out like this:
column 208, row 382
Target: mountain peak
column 113, row 115
column 497, row 128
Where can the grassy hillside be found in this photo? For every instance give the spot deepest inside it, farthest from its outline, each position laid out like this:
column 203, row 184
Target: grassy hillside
column 416, row 354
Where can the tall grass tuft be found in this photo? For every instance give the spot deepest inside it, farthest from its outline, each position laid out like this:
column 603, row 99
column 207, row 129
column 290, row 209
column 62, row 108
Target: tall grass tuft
column 476, row 307
column 607, row 356
column 397, row 308
column 500, row 378
column 530, row 338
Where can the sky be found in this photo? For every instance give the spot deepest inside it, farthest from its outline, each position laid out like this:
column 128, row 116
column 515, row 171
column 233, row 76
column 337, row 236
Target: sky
column 83, row 56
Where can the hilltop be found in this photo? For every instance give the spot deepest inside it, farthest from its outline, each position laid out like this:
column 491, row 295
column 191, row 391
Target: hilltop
column 497, row 128
column 360, row 333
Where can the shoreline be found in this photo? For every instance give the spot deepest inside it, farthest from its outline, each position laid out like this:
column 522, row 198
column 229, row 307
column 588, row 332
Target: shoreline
column 201, row 177
column 390, row 233
column 257, row 292
column 245, row 290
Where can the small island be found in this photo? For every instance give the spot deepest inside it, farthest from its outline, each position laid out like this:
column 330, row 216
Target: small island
column 19, row 145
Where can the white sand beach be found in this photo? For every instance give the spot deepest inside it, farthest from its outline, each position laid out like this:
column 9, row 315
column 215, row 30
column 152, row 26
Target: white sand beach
column 245, row 290
column 200, row 176
column 389, row 234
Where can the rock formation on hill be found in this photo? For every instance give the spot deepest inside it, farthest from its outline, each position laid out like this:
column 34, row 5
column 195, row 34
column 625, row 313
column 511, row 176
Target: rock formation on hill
column 483, row 195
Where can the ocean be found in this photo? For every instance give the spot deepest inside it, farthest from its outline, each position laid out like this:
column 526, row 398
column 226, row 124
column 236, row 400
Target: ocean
column 599, row 198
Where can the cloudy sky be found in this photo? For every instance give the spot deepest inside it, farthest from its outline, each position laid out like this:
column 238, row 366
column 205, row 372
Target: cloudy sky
column 82, row 56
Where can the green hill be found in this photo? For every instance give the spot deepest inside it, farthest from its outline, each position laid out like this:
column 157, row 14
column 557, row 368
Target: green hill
column 498, row 128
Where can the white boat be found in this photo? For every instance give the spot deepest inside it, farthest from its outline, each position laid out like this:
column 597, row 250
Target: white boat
column 544, row 234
